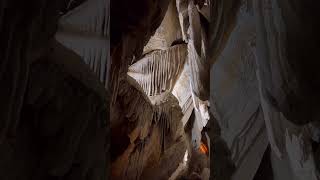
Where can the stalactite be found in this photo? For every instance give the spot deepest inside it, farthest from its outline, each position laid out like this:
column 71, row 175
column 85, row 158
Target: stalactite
column 130, row 36
column 158, row 71
column 137, row 104
column 161, row 115
column 167, row 116
column 140, row 108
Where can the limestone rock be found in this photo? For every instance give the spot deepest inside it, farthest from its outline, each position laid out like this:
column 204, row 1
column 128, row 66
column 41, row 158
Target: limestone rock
column 158, row 71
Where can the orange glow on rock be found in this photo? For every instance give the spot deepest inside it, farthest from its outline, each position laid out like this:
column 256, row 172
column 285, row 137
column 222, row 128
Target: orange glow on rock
column 203, row 148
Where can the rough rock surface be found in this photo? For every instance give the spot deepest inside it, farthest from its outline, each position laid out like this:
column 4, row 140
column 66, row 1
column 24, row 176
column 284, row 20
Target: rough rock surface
column 54, row 111
column 235, row 98
column 252, row 78
column 167, row 33
column 154, row 128
column 158, row 71
column 85, row 30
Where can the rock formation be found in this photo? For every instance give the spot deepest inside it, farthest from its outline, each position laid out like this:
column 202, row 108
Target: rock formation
column 54, row 111
column 178, row 89
column 244, row 81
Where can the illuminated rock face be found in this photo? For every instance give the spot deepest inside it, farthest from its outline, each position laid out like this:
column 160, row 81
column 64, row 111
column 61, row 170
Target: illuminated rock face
column 233, row 81
column 145, row 106
column 242, row 51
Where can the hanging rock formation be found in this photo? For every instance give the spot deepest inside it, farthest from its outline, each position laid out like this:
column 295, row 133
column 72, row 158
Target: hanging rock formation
column 158, row 71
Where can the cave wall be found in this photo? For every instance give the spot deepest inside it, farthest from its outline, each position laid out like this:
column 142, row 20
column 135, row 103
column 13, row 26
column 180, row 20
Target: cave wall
column 261, row 65
column 244, row 96
column 263, row 88
column 235, row 99
column 54, row 111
